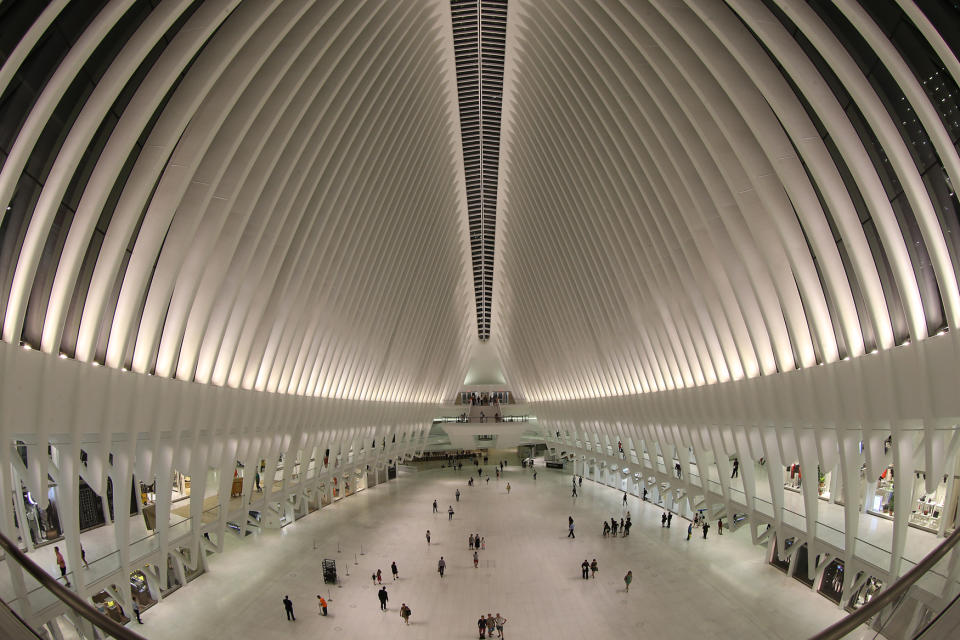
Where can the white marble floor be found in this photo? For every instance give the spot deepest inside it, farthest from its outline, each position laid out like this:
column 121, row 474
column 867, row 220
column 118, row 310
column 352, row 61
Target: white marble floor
column 529, row 572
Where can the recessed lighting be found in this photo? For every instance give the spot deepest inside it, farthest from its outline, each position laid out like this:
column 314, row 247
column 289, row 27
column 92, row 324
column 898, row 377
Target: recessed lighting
column 95, row 363
column 27, row 347
column 63, row 356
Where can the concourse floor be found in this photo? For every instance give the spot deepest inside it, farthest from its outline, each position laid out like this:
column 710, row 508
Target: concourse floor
column 529, row 572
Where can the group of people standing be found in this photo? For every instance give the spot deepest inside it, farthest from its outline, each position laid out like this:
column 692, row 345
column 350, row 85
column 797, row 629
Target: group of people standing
column 488, row 624
column 611, row 528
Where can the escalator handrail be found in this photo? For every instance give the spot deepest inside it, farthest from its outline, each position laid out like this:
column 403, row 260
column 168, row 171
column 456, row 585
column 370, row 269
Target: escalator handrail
column 845, row 625
column 68, row 597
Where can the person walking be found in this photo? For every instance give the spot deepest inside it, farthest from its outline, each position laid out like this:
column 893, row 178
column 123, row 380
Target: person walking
column 508, row 488
column 499, row 620
column 393, row 568
column 458, row 495
column 379, row 577
column 593, row 568
column 706, row 527
column 669, row 519
column 491, row 623
column 435, row 506
column 574, row 491
column 428, row 537
column 483, row 544
column 62, row 564
column 322, row 604
column 441, row 566
column 136, row 610
column 627, row 579
column 736, row 468
column 450, row 513
column 382, row 595
column 83, row 557
column 570, row 535
column 689, row 530
column 720, row 526
column 288, row 607
column 405, row 613
column 624, row 498
column 482, row 625
column 581, row 481
column 585, row 569
column 476, row 559
column 663, row 519
column 626, row 526
column 534, row 475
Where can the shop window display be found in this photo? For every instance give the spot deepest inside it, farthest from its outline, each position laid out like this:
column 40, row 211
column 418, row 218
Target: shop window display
column 883, row 501
column 792, row 476
column 831, row 584
column 928, row 509
column 865, row 593
column 775, row 560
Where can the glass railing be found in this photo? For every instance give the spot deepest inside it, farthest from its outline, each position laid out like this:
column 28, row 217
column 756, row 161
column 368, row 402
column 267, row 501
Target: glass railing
column 50, row 592
column 902, row 607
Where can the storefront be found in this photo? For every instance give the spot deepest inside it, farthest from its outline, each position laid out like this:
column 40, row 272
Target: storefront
column 935, row 512
column 43, row 525
column 831, row 583
column 792, row 476
column 140, row 591
column 800, row 571
column 931, row 511
column 108, row 606
column 865, row 593
column 775, row 560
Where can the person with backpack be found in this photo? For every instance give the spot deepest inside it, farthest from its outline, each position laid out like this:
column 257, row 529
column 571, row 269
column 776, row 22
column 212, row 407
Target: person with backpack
column 405, row 613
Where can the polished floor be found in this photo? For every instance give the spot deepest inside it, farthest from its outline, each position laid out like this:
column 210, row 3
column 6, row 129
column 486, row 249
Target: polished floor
column 529, row 572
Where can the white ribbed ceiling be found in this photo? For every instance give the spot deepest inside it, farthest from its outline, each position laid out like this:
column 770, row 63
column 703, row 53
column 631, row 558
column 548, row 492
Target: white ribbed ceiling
column 278, row 205
column 685, row 200
column 271, row 194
